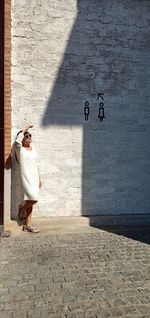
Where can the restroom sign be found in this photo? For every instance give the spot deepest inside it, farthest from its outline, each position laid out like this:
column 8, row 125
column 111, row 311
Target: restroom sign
column 100, row 111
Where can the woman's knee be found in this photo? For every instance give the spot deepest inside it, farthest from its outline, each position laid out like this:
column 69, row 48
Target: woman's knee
column 33, row 202
column 30, row 202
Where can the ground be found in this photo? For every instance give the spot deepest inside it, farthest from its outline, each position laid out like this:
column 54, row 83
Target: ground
column 87, row 273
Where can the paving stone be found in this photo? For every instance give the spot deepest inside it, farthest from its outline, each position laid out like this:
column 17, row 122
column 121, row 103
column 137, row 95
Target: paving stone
column 20, row 314
column 70, row 284
column 6, row 298
column 103, row 313
column 130, row 310
column 34, row 314
column 73, row 315
column 90, row 305
column 116, row 312
column 145, row 309
column 6, row 314
column 4, row 291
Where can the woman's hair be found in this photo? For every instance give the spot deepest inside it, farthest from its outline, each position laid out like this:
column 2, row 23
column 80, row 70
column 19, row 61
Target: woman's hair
column 26, row 132
column 19, row 132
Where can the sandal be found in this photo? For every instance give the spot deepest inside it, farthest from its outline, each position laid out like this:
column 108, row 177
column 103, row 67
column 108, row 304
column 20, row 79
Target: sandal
column 30, row 229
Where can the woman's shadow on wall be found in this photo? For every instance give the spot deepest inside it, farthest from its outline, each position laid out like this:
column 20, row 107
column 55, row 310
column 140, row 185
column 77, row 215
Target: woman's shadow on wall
column 93, row 63
column 16, row 184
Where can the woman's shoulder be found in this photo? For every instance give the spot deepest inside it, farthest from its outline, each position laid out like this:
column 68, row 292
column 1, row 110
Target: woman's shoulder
column 33, row 148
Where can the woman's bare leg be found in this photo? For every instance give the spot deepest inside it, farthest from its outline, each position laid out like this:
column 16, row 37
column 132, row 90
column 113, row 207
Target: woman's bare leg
column 29, row 216
column 28, row 206
column 26, row 210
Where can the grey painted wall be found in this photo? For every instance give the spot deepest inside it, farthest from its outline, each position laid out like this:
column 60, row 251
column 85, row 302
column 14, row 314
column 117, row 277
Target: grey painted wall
column 64, row 53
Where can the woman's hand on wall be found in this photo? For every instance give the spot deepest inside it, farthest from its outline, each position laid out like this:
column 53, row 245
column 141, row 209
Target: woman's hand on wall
column 30, row 125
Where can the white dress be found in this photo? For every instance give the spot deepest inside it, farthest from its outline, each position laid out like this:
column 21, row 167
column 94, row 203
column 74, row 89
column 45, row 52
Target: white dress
column 28, row 168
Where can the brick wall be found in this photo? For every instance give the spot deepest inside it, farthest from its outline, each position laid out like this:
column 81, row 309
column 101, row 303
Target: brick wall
column 67, row 52
column 5, row 102
column 1, row 107
column 7, row 80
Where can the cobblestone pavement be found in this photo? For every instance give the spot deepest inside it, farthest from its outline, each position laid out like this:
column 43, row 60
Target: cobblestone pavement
column 83, row 275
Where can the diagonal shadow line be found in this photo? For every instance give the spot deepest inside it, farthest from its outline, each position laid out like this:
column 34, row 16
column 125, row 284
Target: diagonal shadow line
column 139, row 233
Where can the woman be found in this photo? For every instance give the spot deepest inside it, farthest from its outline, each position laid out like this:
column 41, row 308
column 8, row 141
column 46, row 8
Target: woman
column 27, row 158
